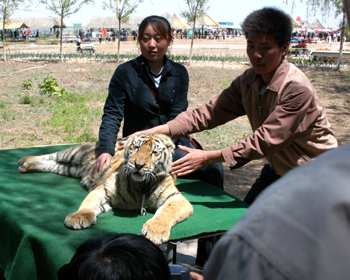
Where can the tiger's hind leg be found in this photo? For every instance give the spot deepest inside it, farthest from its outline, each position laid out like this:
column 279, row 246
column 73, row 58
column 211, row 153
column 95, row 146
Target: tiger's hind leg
column 70, row 162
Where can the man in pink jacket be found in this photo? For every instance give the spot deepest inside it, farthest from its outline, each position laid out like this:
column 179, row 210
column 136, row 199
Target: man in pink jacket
column 289, row 123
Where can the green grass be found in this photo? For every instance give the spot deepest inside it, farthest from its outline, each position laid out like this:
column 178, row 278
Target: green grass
column 74, row 117
column 223, row 136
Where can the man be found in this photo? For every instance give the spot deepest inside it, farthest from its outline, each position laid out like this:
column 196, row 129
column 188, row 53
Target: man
column 290, row 126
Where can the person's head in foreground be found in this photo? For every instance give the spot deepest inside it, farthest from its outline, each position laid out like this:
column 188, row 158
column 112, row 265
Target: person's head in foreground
column 268, row 32
column 116, row 257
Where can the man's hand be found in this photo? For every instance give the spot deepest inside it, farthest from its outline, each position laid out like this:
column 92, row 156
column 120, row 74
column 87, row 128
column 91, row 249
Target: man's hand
column 160, row 129
column 103, row 159
column 196, row 276
column 189, row 163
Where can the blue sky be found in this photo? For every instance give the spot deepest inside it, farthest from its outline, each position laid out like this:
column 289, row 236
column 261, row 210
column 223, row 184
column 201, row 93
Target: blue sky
column 221, row 10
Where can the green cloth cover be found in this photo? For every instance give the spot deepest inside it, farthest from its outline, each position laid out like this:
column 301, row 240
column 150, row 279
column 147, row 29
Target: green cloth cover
column 34, row 243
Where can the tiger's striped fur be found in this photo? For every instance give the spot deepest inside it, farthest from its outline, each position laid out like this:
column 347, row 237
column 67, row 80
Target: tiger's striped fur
column 140, row 170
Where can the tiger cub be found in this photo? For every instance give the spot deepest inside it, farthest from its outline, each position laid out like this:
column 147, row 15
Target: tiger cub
column 137, row 178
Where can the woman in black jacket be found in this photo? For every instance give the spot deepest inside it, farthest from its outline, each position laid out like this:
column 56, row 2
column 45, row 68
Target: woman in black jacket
column 148, row 91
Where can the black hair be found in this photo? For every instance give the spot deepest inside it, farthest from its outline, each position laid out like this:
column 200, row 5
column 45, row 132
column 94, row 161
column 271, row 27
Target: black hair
column 269, row 20
column 160, row 24
column 117, row 257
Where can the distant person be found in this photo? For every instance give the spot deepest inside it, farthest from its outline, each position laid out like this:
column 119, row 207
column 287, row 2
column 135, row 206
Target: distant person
column 116, row 257
column 289, row 123
column 100, row 36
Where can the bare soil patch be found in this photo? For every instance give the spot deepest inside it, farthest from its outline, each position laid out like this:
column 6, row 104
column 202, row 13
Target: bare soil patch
column 21, row 124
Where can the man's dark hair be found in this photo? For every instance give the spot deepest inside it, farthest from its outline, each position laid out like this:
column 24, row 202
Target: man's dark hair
column 269, row 20
column 116, row 257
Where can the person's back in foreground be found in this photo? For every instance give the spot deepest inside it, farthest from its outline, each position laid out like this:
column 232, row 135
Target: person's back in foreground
column 298, row 228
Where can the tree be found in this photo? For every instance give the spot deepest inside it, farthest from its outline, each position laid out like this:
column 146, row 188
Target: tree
column 64, row 8
column 196, row 9
column 123, row 9
column 7, row 8
column 325, row 6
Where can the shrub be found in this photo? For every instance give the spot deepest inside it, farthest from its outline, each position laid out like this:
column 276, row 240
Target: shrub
column 26, row 99
column 27, row 84
column 50, row 87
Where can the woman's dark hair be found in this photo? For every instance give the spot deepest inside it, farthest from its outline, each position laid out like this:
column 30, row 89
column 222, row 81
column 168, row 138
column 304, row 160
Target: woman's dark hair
column 117, row 257
column 160, row 24
column 269, row 20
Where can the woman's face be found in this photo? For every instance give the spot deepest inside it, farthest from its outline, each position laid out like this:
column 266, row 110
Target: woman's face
column 153, row 45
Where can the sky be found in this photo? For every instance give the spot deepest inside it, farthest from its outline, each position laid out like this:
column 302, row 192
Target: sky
column 220, row 10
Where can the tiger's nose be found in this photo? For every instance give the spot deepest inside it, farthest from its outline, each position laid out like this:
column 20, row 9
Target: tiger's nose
column 139, row 165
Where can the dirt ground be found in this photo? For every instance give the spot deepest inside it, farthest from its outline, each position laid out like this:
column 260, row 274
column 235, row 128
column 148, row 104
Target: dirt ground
column 206, row 80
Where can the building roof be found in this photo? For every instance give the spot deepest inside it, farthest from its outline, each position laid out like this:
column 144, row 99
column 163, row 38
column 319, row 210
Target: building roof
column 112, row 22
column 316, row 24
column 40, row 22
column 13, row 25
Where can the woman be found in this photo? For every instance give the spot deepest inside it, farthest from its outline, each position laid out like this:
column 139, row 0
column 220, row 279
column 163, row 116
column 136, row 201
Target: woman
column 148, row 91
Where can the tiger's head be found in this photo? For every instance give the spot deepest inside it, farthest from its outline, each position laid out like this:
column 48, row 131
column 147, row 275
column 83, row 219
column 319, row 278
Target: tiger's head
column 147, row 157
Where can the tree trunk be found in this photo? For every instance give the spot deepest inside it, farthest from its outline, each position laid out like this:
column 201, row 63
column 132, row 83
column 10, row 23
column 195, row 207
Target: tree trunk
column 3, row 37
column 120, row 35
column 337, row 67
column 191, row 48
column 61, row 31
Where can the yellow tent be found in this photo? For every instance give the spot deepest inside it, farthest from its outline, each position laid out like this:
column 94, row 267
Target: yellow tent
column 296, row 24
column 13, row 25
column 206, row 20
column 176, row 22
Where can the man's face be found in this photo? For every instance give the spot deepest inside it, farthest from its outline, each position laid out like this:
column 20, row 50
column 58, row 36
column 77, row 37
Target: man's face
column 265, row 54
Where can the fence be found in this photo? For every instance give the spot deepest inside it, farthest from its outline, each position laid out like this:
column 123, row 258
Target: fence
column 197, row 58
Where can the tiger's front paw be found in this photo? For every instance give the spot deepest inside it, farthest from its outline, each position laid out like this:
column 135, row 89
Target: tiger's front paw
column 25, row 165
column 156, row 231
column 80, row 220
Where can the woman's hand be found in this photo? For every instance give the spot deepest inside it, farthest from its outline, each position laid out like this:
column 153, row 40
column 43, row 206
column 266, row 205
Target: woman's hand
column 103, row 159
column 189, row 163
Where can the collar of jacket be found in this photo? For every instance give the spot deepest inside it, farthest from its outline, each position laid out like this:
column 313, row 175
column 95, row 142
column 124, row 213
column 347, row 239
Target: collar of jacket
column 277, row 79
column 144, row 66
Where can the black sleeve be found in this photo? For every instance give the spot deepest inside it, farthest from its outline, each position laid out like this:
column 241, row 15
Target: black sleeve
column 113, row 114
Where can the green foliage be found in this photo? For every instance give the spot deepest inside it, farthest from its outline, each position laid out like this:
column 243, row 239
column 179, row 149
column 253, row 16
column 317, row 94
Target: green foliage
column 26, row 99
column 27, row 84
column 50, row 87
column 2, row 104
column 196, row 8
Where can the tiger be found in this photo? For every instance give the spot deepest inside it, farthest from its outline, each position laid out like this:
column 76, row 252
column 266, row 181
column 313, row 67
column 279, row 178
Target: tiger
column 138, row 178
